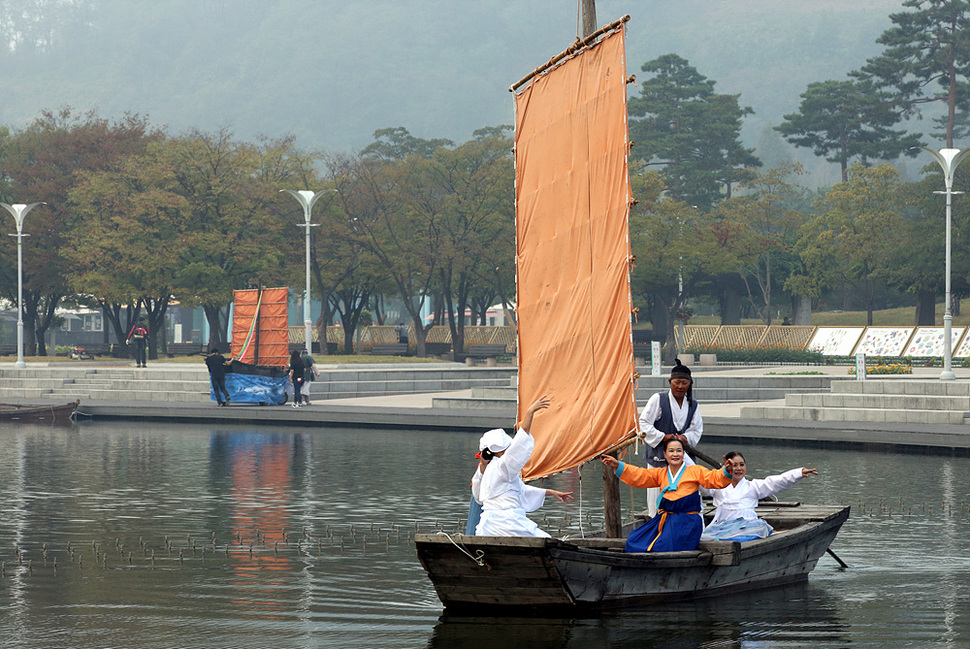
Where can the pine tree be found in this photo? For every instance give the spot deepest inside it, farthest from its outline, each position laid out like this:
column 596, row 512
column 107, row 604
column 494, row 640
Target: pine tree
column 843, row 120
column 927, row 59
column 679, row 123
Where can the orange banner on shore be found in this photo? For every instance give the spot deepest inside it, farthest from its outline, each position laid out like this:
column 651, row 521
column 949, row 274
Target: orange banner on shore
column 260, row 332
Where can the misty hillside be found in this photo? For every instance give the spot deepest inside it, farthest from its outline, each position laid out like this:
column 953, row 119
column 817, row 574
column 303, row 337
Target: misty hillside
column 332, row 72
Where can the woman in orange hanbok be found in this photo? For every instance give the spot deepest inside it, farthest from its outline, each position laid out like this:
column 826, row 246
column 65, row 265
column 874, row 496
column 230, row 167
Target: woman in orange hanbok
column 678, row 524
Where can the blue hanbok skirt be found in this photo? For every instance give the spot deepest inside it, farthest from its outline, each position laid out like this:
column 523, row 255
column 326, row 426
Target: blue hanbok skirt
column 676, row 527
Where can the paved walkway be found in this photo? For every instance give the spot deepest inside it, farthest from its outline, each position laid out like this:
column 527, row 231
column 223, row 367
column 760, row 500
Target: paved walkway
column 416, row 411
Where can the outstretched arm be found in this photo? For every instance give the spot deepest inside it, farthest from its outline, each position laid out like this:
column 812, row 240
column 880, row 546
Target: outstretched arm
column 541, row 404
column 561, row 496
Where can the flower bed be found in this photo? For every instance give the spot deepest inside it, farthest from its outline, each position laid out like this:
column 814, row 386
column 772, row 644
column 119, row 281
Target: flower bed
column 886, row 368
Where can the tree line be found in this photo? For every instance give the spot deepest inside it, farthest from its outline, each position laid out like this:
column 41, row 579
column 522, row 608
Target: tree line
column 136, row 217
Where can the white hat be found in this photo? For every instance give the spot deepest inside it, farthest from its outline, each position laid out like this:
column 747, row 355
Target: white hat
column 495, row 440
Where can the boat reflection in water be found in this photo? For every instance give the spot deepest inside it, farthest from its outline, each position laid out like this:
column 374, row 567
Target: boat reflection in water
column 258, row 476
column 799, row 615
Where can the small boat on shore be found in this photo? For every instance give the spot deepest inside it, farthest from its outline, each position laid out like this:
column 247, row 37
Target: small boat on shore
column 32, row 413
column 508, row 573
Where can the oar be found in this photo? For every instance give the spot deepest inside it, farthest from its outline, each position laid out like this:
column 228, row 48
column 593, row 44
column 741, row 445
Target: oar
column 836, row 557
column 714, row 464
column 687, row 447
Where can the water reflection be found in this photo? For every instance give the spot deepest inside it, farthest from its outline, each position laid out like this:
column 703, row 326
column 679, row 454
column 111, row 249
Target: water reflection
column 253, row 537
column 808, row 614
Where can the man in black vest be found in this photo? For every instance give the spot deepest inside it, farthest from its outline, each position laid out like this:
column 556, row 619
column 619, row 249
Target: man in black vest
column 666, row 415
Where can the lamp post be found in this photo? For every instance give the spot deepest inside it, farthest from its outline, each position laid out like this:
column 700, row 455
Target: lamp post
column 306, row 199
column 19, row 211
column 949, row 160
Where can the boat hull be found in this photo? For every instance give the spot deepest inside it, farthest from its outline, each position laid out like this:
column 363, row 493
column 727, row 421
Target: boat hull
column 59, row 414
column 595, row 573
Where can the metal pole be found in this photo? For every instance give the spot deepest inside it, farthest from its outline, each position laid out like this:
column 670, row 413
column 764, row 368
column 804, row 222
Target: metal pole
column 948, row 159
column 947, row 373
column 20, row 295
column 307, row 321
column 306, row 199
column 19, row 211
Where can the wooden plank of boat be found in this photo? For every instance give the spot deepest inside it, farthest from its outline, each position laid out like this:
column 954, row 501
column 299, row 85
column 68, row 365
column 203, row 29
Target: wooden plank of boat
column 501, row 572
column 38, row 413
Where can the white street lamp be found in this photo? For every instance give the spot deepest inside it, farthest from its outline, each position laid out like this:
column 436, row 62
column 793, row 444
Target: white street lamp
column 307, row 199
column 19, row 211
column 949, row 160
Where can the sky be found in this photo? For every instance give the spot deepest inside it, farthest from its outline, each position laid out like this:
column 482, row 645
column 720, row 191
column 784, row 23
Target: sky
column 332, row 72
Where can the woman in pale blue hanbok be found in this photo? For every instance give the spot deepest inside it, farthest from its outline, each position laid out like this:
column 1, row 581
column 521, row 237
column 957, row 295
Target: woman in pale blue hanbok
column 735, row 519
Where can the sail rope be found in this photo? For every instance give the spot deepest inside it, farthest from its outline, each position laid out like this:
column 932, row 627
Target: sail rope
column 579, row 471
column 479, row 557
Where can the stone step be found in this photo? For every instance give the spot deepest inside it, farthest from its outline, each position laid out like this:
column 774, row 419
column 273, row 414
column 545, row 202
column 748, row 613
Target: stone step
column 471, row 403
column 127, row 395
column 890, row 416
column 703, row 381
column 885, row 401
column 903, row 386
column 703, row 395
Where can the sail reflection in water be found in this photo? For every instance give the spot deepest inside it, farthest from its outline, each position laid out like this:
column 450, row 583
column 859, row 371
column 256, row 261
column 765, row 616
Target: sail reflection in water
column 129, row 511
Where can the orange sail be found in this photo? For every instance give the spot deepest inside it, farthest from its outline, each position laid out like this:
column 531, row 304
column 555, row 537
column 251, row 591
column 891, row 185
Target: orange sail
column 574, row 308
column 260, row 331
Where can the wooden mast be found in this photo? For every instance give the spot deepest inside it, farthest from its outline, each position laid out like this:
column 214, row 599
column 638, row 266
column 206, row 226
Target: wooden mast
column 588, row 8
column 611, row 485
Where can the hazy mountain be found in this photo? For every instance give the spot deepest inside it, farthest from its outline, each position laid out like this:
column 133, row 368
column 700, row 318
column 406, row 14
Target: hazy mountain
column 331, row 72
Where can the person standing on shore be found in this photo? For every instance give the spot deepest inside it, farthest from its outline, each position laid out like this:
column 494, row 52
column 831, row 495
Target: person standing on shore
column 670, row 415
column 309, row 374
column 297, row 370
column 138, row 339
column 217, row 363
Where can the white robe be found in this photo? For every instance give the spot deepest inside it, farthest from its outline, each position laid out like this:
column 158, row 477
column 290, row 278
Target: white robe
column 651, row 413
column 736, row 502
column 505, row 498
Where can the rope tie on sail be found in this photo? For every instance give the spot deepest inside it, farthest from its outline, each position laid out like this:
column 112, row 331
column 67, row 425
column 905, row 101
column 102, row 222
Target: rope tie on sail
column 479, row 557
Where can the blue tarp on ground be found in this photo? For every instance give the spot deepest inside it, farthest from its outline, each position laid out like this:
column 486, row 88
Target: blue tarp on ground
column 247, row 388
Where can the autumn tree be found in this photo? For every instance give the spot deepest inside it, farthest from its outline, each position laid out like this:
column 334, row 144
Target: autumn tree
column 126, row 252
column 396, row 220
column 240, row 232
column 42, row 163
column 856, row 232
column 670, row 266
column 475, row 185
column 769, row 225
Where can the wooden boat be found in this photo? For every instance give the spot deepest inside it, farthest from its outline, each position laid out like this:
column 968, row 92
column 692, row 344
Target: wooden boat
column 594, row 573
column 58, row 414
column 575, row 345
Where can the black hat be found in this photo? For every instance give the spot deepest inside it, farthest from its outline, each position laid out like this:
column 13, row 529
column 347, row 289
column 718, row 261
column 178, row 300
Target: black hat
column 680, row 371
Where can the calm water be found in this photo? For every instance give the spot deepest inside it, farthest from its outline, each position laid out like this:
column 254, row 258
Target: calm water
column 188, row 536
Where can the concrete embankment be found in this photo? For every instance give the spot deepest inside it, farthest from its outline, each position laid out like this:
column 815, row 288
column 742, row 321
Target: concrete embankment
column 776, row 404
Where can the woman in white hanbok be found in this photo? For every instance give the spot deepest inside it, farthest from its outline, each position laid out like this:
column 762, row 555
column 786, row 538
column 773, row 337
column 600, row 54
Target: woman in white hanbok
column 735, row 519
column 505, row 498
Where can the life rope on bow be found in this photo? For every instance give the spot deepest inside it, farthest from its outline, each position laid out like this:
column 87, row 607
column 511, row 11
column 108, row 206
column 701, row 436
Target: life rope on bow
column 479, row 557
